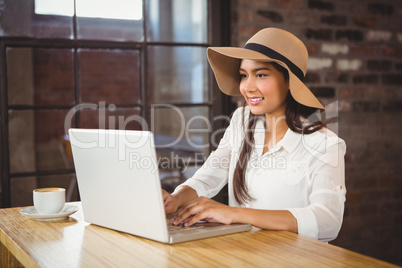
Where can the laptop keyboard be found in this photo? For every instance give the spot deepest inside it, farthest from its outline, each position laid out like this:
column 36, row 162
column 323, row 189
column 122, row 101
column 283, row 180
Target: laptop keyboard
column 181, row 228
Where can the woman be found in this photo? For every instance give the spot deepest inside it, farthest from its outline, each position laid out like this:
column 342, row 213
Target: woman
column 284, row 170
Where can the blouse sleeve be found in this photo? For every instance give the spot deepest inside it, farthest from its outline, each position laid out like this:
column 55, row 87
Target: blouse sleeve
column 322, row 219
column 212, row 176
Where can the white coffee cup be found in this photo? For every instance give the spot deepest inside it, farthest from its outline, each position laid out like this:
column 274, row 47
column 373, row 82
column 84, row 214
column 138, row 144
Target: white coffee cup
column 49, row 200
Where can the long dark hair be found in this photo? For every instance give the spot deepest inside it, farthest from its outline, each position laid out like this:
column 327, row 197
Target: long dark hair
column 295, row 113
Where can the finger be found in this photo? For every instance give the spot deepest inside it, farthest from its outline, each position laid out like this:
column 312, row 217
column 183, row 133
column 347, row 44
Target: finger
column 169, row 206
column 186, row 213
column 183, row 209
column 166, row 201
column 168, row 209
column 185, row 221
column 164, row 192
column 180, row 218
column 165, row 196
column 191, row 208
column 196, row 218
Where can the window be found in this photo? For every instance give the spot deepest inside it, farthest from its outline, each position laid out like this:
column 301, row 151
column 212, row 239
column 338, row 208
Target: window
column 99, row 68
column 122, row 9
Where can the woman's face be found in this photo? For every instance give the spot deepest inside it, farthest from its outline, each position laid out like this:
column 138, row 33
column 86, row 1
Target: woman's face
column 263, row 87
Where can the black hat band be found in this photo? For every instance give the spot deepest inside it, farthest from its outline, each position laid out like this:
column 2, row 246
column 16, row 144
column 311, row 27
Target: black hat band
column 277, row 56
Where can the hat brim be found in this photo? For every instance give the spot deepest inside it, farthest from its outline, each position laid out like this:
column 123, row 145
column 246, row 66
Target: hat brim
column 225, row 63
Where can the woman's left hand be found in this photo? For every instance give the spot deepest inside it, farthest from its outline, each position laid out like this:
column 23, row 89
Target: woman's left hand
column 204, row 209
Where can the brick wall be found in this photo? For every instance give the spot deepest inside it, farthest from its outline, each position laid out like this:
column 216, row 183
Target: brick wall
column 355, row 50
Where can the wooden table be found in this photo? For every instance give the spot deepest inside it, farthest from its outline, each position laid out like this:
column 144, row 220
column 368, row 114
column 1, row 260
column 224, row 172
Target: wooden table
column 74, row 243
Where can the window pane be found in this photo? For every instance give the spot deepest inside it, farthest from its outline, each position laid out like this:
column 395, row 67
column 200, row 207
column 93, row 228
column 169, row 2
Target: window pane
column 177, row 74
column 40, row 76
column 181, row 132
column 53, row 19
column 119, row 20
column 37, row 140
column 112, row 76
column 121, row 9
column 22, row 18
column 16, row 18
column 50, row 26
column 21, row 191
column 55, row 7
column 178, row 21
column 107, row 117
column 22, row 141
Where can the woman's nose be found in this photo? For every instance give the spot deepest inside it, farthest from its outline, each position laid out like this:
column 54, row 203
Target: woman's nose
column 246, row 82
column 250, row 85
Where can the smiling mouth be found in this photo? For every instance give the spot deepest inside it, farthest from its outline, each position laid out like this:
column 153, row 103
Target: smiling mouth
column 255, row 101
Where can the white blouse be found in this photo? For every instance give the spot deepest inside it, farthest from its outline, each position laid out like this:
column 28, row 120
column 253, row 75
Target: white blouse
column 304, row 174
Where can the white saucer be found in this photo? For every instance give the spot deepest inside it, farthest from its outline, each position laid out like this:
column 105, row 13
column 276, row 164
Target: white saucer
column 33, row 214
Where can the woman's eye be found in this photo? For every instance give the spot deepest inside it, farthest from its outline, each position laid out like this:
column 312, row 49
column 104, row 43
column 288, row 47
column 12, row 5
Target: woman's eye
column 261, row 75
column 243, row 76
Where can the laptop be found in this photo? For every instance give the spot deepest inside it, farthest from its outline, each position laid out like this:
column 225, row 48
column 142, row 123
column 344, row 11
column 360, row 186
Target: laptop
column 118, row 180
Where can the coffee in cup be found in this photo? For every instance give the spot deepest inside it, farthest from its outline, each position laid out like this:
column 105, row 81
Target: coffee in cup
column 49, row 200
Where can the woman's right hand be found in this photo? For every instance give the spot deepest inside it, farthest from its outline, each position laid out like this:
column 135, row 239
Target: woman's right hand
column 171, row 203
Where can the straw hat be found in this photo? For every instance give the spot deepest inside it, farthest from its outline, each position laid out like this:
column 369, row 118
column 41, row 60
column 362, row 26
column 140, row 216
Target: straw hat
column 269, row 45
